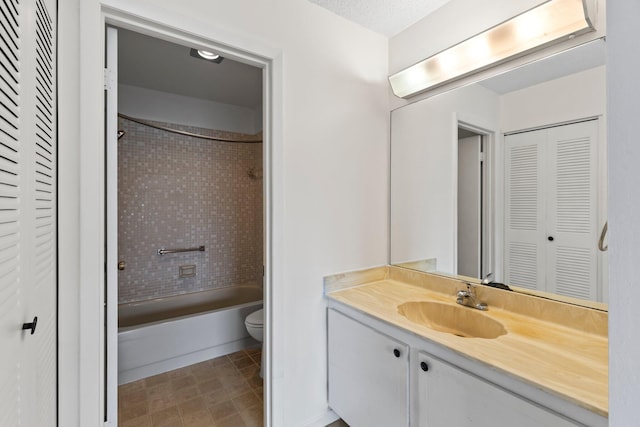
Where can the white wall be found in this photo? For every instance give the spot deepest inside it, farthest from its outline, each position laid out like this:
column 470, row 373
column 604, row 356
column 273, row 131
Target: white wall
column 573, row 97
column 424, row 164
column 166, row 107
column 68, row 212
column 623, row 92
column 329, row 183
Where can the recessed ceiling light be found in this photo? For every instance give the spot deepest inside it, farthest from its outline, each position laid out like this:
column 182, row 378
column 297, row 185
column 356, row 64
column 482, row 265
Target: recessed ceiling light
column 206, row 55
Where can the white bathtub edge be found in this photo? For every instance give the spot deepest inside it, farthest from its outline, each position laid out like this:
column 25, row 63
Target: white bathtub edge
column 183, row 360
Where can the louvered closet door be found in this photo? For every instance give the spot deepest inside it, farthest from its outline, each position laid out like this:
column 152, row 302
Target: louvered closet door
column 571, row 212
column 11, row 284
column 550, row 225
column 525, row 210
column 28, row 245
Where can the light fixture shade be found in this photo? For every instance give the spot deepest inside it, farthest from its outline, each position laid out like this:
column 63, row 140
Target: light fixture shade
column 551, row 22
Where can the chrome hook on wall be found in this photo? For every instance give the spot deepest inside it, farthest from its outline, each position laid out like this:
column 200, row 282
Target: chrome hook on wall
column 602, row 235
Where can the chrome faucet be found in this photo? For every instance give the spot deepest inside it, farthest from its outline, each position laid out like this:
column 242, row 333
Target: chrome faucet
column 469, row 298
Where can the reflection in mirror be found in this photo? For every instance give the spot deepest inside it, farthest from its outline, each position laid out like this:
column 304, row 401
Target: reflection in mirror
column 508, row 176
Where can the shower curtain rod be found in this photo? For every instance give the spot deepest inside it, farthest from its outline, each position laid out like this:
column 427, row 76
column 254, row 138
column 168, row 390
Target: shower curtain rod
column 195, row 135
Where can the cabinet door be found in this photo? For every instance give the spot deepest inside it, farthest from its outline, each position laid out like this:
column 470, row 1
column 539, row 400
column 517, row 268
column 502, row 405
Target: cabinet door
column 368, row 374
column 448, row 396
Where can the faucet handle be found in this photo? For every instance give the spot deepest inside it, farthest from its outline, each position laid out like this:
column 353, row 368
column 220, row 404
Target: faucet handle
column 488, row 279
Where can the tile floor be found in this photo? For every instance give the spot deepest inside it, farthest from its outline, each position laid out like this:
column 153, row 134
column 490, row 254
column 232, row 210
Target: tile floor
column 221, row 392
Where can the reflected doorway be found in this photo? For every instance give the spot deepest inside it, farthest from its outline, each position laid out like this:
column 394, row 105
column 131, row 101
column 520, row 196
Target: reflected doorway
column 472, row 250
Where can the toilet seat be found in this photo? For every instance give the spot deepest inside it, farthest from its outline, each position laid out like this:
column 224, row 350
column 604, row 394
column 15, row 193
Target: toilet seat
column 255, row 319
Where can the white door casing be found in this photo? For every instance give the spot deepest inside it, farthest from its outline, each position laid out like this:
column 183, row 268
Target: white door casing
column 111, row 297
column 469, row 206
column 28, row 247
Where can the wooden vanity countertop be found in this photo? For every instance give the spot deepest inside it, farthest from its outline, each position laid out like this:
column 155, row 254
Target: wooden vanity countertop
column 564, row 361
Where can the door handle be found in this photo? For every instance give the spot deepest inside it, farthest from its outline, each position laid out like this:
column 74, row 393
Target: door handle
column 31, row 325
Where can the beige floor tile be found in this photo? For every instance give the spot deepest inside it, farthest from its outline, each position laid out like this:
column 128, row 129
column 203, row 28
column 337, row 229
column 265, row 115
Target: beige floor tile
column 191, row 406
column 227, row 369
column 224, row 392
column 232, row 421
column 187, row 393
column 143, row 421
column 246, row 401
column 253, row 417
column 222, row 410
column 220, row 361
column 161, row 402
column 159, row 389
column 252, row 351
column 133, row 411
column 179, row 373
column 252, row 375
column 156, row 379
column 243, row 362
column 169, row 417
column 203, row 370
column 182, row 382
column 198, row 419
column 215, row 397
column 127, row 400
column 236, row 390
column 131, row 387
column 232, row 379
column 211, row 385
column 237, row 355
column 256, row 357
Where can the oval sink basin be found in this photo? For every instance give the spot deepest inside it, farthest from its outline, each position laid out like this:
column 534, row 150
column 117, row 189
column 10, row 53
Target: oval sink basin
column 457, row 320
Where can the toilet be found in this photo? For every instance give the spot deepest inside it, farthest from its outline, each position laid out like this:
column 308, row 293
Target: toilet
column 255, row 326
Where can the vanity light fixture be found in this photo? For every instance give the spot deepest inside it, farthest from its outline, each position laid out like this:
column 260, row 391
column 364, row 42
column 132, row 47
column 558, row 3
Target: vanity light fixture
column 206, row 55
column 551, row 22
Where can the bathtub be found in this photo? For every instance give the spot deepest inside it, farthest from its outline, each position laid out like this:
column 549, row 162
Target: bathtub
column 163, row 334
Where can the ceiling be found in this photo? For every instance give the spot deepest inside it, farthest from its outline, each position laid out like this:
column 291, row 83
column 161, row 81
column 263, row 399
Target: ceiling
column 156, row 64
column 581, row 58
column 387, row 17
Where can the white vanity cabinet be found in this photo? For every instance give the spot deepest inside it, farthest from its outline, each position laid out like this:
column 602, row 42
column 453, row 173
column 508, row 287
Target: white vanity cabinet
column 383, row 375
column 449, row 396
column 368, row 374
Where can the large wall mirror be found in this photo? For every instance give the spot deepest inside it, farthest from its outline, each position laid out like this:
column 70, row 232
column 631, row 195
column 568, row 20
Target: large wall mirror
column 507, row 177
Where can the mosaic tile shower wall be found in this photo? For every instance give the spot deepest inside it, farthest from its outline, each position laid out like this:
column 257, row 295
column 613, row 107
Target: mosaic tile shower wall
column 176, row 191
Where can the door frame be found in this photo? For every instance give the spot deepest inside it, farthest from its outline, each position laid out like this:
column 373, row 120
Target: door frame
column 93, row 243
column 490, row 222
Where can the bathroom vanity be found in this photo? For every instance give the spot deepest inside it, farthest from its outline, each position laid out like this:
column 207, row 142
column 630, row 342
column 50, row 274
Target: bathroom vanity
column 526, row 361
